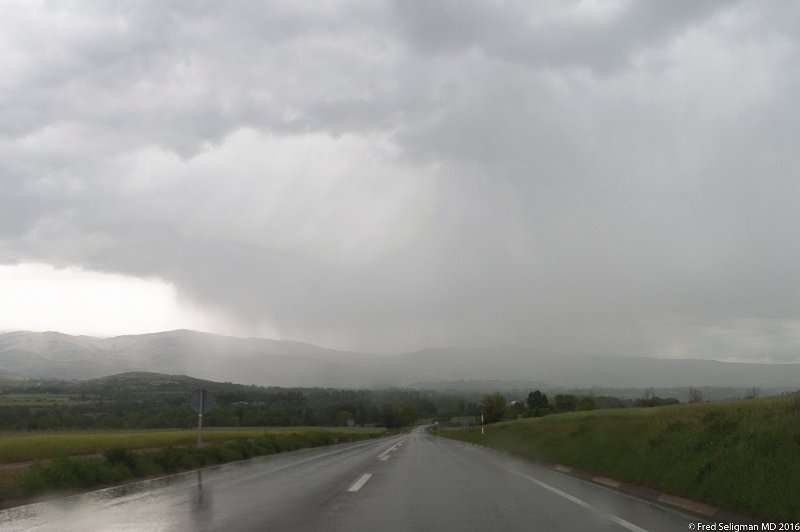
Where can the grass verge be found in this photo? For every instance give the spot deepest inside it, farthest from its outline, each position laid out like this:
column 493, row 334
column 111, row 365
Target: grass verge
column 739, row 455
column 115, row 463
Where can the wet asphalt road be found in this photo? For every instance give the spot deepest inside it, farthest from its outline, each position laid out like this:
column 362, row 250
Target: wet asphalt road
column 413, row 482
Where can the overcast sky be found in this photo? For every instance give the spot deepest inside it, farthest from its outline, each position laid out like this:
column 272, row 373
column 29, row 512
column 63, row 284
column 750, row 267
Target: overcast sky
column 602, row 177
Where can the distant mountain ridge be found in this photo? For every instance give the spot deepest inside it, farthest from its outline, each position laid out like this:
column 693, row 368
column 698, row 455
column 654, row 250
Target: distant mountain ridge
column 286, row 363
column 202, row 355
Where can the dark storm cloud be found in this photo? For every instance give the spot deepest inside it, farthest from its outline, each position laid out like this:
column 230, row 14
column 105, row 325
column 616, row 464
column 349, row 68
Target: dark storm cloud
column 599, row 36
column 615, row 177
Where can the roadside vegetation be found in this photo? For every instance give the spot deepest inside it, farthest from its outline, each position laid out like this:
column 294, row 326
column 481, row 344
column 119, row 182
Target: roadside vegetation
column 743, row 455
column 90, row 459
column 18, row 447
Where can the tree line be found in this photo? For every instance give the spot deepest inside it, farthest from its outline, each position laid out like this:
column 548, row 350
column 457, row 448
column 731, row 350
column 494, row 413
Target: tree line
column 138, row 403
column 141, row 400
column 495, row 407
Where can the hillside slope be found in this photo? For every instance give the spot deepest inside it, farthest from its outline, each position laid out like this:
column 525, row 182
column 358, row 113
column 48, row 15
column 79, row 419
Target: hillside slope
column 740, row 455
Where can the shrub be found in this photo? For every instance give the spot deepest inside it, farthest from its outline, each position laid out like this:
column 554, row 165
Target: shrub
column 67, row 473
column 123, row 457
column 120, row 463
column 170, row 459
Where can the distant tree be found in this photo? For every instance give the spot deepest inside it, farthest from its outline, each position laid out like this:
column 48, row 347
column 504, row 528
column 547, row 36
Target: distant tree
column 537, row 399
column 654, row 400
column 566, row 402
column 409, row 413
column 517, row 408
column 752, row 393
column 426, row 408
column 341, row 417
column 794, row 403
column 604, row 401
column 586, row 403
column 493, row 407
column 462, row 407
column 390, row 417
column 695, row 395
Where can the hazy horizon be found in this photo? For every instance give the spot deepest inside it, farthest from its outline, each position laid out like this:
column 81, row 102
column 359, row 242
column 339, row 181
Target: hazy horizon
column 472, row 349
column 268, row 362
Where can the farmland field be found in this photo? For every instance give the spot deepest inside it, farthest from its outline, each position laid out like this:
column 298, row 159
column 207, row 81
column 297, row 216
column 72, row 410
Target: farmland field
column 25, row 446
column 41, row 399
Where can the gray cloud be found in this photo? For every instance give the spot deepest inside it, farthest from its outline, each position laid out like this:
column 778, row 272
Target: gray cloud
column 400, row 175
column 556, row 34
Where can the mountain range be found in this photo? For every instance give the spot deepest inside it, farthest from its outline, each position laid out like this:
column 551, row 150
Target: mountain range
column 285, row 363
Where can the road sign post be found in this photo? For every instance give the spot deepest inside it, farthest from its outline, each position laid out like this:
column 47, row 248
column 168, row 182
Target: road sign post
column 200, row 419
column 200, row 402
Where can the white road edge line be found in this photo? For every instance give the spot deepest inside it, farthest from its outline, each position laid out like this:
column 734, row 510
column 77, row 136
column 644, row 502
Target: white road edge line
column 358, row 484
column 557, row 491
column 618, row 520
column 627, row 524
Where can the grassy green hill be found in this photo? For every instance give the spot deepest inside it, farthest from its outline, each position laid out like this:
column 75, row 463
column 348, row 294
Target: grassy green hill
column 740, row 455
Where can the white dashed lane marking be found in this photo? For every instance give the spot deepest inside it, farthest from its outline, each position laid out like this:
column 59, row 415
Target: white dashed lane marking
column 385, row 454
column 358, row 484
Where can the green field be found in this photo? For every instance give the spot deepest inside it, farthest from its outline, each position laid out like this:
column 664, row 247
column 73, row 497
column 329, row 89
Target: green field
column 68, row 461
column 25, row 446
column 740, row 455
column 39, row 399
